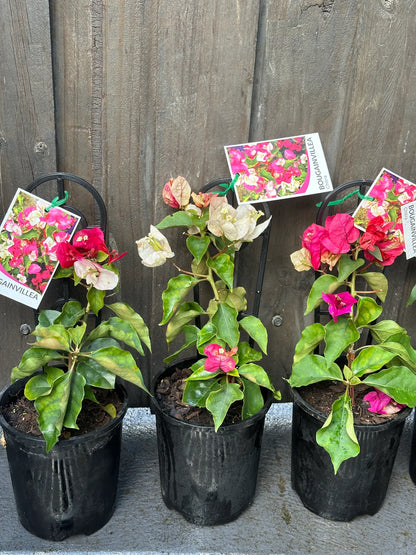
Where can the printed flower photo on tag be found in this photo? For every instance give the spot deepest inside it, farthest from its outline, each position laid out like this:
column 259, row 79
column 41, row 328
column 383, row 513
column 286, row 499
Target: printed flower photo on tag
column 277, row 169
column 388, row 193
column 29, row 236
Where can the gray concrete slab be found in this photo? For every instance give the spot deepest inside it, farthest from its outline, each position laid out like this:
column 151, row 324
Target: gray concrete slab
column 276, row 523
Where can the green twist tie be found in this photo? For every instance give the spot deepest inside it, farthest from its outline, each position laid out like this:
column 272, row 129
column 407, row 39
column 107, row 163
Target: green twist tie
column 341, row 200
column 57, row 201
column 229, row 187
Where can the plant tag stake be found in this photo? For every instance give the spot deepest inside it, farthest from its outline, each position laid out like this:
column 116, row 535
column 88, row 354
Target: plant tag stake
column 29, row 235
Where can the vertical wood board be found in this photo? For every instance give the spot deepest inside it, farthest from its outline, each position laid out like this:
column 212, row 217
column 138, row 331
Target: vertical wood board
column 27, row 134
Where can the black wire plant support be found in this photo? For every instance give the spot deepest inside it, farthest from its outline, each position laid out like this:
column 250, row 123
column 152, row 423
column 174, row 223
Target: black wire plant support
column 60, row 178
column 354, row 190
column 226, row 183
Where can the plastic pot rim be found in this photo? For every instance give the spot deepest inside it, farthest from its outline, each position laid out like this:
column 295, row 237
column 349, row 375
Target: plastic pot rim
column 64, row 443
column 312, row 411
column 268, row 398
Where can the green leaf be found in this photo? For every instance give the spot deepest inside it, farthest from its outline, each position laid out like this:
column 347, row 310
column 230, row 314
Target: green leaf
column 127, row 313
column 95, row 374
column 89, row 394
column 199, row 373
column 367, row 311
column 76, row 396
column 378, row 283
column 383, row 330
column 206, row 335
column 247, row 354
column 53, row 373
column 96, row 299
column 198, row 246
column 226, row 325
column 314, row 368
column 33, row 359
column 338, row 336
column 370, row 359
column 118, row 329
column 403, row 352
column 236, row 298
column 48, row 317
column 186, row 312
column 337, row 435
column 412, row 296
column 253, row 399
column 63, row 272
column 398, row 382
column 324, row 284
column 191, row 338
column 176, row 291
column 311, row 337
column 53, row 408
column 223, row 266
column 71, row 314
column 256, row 374
column 53, row 337
column 196, row 391
column 110, row 409
column 37, row 386
column 77, row 333
column 177, row 219
column 220, row 400
column 404, row 341
column 346, row 266
column 256, row 330
column 121, row 363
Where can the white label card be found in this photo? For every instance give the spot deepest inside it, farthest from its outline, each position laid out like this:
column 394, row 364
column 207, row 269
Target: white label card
column 29, row 236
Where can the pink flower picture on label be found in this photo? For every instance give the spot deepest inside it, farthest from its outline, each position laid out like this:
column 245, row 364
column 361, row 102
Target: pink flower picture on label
column 29, row 236
column 385, row 198
column 278, row 169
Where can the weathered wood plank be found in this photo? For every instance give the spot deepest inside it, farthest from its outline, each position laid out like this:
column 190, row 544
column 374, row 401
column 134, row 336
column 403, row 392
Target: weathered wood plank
column 303, row 69
column 381, row 113
column 173, row 87
column 27, row 132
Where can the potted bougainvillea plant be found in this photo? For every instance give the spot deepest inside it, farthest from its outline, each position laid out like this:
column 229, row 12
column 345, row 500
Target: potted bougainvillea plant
column 62, row 415
column 361, row 367
column 210, row 410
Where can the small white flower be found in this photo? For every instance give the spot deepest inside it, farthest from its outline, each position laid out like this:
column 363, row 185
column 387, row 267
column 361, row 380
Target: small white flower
column 154, row 249
column 235, row 224
column 94, row 274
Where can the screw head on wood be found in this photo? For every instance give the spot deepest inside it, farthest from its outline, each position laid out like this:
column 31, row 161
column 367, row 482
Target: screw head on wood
column 25, row 329
column 277, row 320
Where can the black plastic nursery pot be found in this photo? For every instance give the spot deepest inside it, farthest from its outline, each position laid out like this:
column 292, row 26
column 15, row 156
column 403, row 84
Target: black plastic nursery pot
column 361, row 483
column 70, row 490
column 209, row 477
column 412, row 463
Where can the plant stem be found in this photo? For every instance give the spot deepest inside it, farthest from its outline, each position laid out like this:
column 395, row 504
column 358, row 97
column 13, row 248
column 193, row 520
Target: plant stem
column 210, row 279
column 202, row 276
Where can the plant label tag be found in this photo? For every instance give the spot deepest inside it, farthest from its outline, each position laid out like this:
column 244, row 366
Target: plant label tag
column 409, row 228
column 278, row 169
column 387, row 196
column 29, row 235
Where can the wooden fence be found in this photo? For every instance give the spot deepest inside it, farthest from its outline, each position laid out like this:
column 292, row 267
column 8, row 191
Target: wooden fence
column 128, row 93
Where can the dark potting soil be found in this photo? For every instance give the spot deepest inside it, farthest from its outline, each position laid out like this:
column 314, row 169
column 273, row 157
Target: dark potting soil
column 21, row 414
column 169, row 393
column 322, row 395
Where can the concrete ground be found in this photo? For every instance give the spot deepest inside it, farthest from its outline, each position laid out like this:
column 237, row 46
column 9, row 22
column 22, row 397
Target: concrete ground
column 276, row 522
